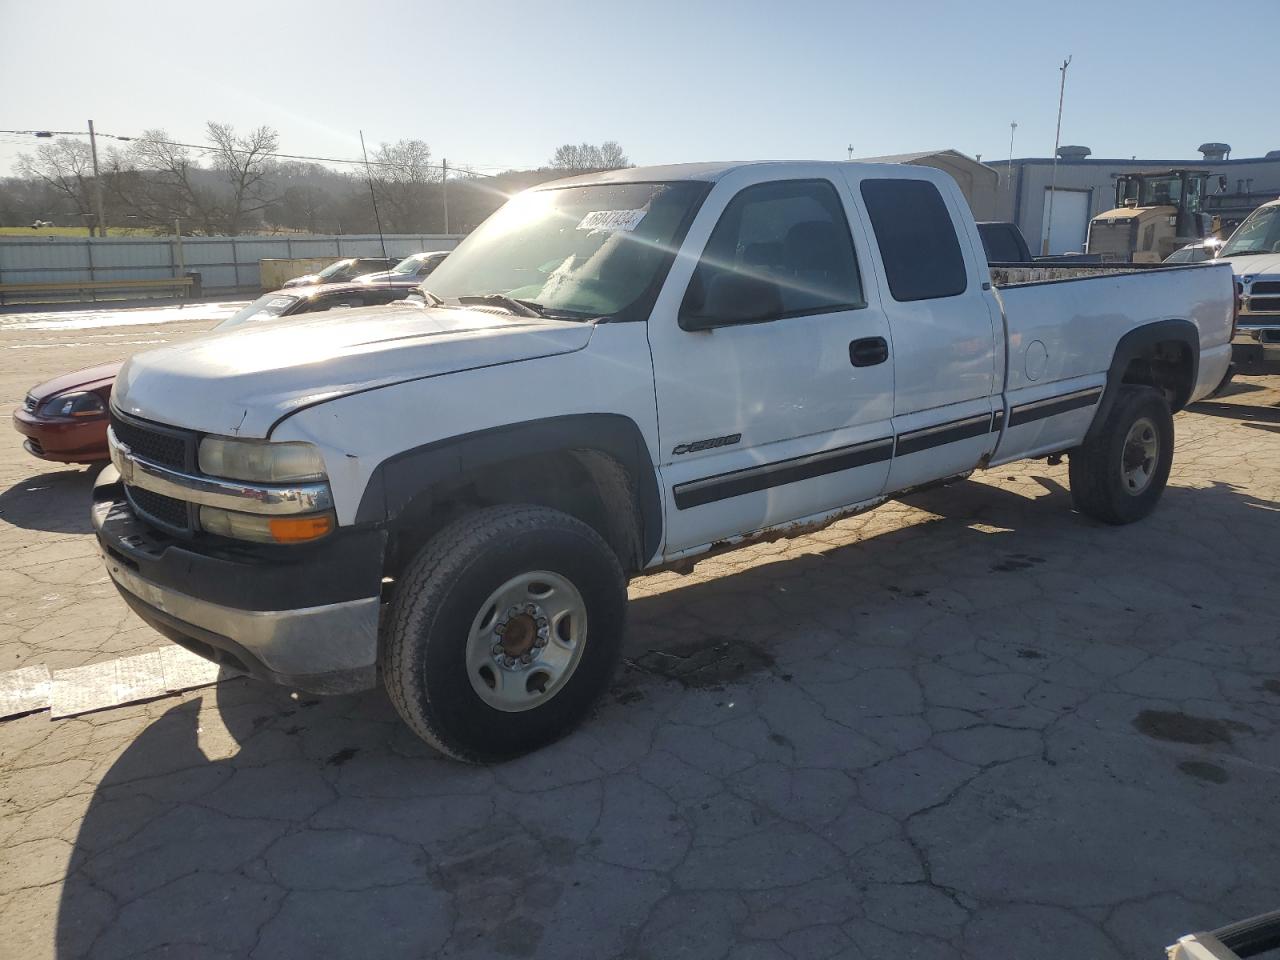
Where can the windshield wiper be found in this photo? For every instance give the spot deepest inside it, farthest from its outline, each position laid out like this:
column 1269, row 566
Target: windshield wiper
column 521, row 308
column 428, row 296
column 1244, row 253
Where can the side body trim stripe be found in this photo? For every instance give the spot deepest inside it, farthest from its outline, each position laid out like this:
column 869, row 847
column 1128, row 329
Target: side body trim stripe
column 1051, row 407
column 749, row 480
column 721, row 486
column 943, row 433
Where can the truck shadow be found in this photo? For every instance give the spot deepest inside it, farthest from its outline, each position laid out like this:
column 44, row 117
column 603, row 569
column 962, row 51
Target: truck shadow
column 322, row 827
column 56, row 502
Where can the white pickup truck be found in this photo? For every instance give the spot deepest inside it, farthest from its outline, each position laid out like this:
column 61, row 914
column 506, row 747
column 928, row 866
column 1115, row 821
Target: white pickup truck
column 615, row 373
column 1253, row 251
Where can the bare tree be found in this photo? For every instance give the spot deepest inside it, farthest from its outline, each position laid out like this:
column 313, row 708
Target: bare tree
column 301, row 207
column 245, row 163
column 612, row 156
column 66, row 165
column 159, row 180
column 588, row 156
column 403, row 178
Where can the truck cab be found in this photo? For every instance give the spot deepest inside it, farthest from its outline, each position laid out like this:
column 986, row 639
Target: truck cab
column 1154, row 215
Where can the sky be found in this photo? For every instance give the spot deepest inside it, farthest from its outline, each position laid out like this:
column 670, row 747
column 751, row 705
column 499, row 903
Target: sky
column 498, row 84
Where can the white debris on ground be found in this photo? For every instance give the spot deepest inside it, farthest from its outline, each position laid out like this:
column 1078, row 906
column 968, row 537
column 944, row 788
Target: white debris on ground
column 113, row 683
column 24, row 690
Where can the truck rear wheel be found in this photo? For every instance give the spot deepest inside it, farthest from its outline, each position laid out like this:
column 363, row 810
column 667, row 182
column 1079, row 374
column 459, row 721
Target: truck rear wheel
column 1118, row 475
column 504, row 630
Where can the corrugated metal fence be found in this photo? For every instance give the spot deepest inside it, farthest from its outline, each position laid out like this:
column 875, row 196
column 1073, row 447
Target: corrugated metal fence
column 224, row 263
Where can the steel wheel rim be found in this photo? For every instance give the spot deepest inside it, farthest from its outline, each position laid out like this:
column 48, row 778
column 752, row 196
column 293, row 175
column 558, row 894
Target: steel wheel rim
column 526, row 641
column 1139, row 456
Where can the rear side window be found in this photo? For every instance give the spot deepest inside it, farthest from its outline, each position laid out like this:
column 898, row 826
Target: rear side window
column 917, row 240
column 792, row 234
column 999, row 243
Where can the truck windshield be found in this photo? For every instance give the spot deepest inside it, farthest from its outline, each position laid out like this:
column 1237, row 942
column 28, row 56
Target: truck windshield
column 590, row 251
column 1260, row 233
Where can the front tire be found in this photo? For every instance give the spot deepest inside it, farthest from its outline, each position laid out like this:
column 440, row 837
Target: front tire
column 1118, row 475
column 504, row 630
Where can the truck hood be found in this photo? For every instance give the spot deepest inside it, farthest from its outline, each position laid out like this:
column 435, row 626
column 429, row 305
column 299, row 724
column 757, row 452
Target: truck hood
column 239, row 383
column 1258, row 263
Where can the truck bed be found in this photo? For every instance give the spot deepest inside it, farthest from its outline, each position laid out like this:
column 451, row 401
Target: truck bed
column 1062, row 323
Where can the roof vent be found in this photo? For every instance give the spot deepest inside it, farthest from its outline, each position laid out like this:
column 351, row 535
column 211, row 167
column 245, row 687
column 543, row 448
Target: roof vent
column 1215, row 151
column 1272, row 155
column 1073, row 152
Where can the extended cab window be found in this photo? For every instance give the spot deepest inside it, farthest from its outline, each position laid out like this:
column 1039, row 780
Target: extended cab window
column 917, row 240
column 791, row 240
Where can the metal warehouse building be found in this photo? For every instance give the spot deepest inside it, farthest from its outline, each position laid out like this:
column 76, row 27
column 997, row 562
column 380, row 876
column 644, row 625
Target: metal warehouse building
column 1085, row 187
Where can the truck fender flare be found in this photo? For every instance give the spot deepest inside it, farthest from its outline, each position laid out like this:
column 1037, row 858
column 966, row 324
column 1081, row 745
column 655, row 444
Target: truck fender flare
column 1137, row 343
column 399, row 479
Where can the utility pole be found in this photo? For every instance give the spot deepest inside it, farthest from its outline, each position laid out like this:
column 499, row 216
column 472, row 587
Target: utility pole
column 97, row 183
column 1013, row 128
column 1057, row 136
column 444, row 191
column 177, row 236
column 851, row 151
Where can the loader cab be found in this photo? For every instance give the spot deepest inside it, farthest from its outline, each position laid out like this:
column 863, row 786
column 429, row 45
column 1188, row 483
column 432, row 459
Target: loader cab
column 1155, row 214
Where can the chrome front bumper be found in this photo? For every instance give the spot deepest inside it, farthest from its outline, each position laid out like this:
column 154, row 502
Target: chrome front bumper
column 288, row 643
column 312, row 645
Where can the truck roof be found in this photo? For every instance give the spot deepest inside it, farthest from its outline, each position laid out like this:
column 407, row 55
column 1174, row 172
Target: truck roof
column 713, row 171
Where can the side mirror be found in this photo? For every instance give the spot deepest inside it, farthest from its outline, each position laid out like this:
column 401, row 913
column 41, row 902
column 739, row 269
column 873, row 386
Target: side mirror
column 729, row 298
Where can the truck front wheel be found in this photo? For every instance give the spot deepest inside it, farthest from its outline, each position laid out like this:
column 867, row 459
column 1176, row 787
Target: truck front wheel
column 1118, row 475
column 504, row 630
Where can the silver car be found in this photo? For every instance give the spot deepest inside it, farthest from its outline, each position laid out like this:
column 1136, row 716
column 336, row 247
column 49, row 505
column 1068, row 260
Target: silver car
column 413, row 269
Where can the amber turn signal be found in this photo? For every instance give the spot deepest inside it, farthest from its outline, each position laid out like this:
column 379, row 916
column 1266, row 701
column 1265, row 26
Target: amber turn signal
column 300, row 529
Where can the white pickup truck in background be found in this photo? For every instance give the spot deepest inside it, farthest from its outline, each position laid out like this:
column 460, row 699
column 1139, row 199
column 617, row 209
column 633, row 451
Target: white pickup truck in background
column 615, row 373
column 1253, row 251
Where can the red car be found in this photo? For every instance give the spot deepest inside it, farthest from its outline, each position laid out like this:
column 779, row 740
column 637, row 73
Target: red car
column 65, row 419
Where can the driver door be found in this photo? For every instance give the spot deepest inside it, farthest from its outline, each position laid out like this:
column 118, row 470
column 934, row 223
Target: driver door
column 771, row 356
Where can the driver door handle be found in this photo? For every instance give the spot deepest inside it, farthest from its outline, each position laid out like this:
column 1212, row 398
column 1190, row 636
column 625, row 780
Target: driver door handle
column 868, row 351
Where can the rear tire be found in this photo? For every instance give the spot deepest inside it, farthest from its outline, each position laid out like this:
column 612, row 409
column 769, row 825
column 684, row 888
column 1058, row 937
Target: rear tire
column 1118, row 475
column 504, row 630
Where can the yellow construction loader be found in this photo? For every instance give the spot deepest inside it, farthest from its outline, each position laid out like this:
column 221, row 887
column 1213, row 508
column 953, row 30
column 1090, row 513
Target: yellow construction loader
column 1155, row 214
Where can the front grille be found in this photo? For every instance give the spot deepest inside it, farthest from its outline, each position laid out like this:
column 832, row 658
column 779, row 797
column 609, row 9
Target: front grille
column 1266, row 287
column 35, row 446
column 156, row 507
column 29, row 403
column 167, row 447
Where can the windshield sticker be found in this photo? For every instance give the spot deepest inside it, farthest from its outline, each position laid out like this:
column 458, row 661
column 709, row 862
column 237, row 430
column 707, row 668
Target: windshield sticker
column 611, row 221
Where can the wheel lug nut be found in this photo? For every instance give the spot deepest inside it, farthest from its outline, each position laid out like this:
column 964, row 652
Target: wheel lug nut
column 497, row 650
column 527, row 658
column 540, row 642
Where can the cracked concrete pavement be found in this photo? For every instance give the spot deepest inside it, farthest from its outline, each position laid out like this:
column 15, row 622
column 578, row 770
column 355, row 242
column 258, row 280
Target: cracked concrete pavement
column 972, row 724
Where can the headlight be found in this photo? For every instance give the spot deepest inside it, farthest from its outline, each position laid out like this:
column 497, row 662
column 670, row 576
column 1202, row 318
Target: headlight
column 263, row 529
column 260, row 460
column 75, row 405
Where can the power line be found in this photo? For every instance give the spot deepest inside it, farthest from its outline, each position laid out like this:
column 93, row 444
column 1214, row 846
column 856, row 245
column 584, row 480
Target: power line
column 205, row 148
